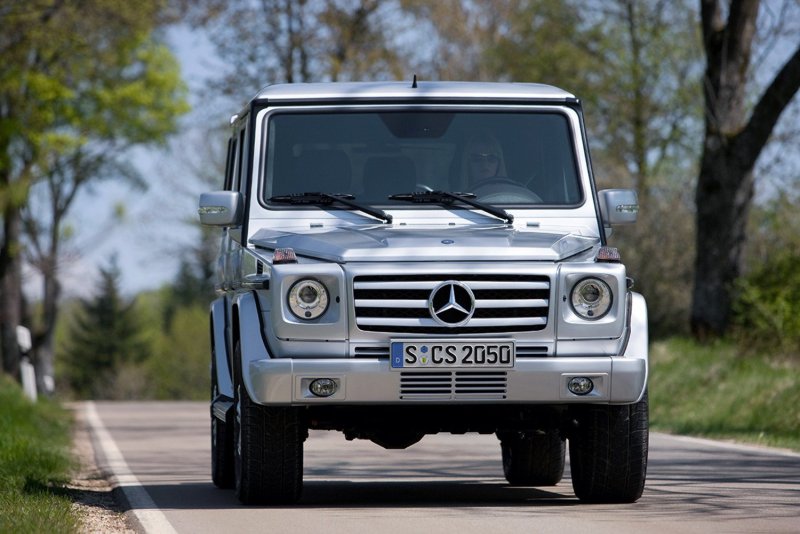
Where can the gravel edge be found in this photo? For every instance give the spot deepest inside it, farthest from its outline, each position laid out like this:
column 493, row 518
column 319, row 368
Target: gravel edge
column 95, row 499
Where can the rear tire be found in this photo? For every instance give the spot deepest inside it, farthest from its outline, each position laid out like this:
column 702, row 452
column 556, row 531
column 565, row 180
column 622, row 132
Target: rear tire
column 268, row 451
column 608, row 452
column 537, row 460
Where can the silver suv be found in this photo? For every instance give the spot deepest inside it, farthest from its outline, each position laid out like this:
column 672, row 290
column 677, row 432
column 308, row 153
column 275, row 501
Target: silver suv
column 401, row 259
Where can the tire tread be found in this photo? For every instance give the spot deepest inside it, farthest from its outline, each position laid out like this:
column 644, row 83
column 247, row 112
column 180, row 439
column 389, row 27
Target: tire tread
column 608, row 453
column 272, row 454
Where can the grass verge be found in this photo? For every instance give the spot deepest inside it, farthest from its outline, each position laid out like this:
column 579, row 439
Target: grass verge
column 717, row 391
column 35, row 463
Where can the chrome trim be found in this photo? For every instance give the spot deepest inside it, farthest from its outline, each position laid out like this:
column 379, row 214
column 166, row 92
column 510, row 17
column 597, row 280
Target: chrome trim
column 472, row 284
column 505, row 321
column 505, row 299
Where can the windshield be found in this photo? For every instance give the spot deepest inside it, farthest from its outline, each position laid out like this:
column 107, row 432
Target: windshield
column 509, row 158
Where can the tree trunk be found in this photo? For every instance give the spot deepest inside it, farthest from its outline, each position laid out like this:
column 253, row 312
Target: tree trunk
column 724, row 194
column 10, row 291
column 732, row 145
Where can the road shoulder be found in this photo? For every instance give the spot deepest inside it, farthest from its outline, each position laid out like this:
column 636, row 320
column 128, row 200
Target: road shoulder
column 91, row 489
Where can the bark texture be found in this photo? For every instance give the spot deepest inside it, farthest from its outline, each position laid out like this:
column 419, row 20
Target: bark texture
column 733, row 142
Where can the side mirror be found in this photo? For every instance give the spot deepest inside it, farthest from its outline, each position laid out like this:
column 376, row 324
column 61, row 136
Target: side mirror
column 618, row 206
column 221, row 208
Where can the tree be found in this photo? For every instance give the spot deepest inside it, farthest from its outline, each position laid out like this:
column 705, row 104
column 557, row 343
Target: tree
column 105, row 335
column 79, row 84
column 734, row 138
column 636, row 67
column 459, row 37
column 287, row 41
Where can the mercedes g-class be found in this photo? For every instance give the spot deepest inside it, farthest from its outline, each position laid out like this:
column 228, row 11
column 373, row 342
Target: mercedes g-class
column 402, row 259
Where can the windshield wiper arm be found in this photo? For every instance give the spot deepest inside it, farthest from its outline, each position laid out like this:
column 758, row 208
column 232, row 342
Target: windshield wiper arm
column 446, row 197
column 326, row 199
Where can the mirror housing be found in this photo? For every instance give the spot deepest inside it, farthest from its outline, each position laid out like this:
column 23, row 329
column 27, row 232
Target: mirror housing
column 221, row 208
column 618, row 206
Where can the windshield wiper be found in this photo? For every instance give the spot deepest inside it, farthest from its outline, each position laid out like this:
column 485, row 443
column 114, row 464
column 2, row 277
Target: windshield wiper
column 447, row 198
column 326, row 199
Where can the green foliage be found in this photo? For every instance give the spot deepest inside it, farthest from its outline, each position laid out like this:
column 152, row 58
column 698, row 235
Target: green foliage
column 179, row 365
column 34, row 462
column 767, row 306
column 73, row 74
column 105, row 336
column 80, row 83
column 716, row 390
column 767, row 296
column 535, row 47
column 175, row 365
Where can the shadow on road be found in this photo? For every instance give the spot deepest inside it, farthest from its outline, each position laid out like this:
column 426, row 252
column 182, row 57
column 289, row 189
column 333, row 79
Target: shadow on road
column 350, row 495
column 709, row 484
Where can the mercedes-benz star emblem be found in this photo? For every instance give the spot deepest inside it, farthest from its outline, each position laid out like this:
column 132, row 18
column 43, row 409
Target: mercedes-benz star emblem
column 451, row 303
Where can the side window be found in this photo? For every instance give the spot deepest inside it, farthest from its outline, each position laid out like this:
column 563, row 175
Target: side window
column 230, row 164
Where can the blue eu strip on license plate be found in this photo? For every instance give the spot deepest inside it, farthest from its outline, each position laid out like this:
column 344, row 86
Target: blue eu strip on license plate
column 436, row 354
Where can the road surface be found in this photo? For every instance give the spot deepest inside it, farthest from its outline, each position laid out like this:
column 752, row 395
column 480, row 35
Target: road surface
column 445, row 483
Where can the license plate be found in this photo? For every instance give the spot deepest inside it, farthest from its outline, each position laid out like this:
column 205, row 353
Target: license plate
column 444, row 354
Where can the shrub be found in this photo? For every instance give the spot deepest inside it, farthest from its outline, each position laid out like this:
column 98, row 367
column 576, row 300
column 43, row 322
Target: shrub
column 767, row 307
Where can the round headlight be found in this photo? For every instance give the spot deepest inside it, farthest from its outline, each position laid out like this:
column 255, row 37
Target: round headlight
column 591, row 298
column 308, row 299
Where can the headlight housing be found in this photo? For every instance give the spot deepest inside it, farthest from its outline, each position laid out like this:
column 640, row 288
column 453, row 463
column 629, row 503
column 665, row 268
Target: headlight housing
column 591, row 298
column 308, row 299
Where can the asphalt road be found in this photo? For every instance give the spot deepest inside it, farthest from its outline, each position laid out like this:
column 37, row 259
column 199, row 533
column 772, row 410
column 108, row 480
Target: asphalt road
column 445, row 483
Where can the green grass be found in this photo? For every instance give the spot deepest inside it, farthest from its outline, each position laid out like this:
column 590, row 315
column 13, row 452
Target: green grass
column 35, row 462
column 717, row 391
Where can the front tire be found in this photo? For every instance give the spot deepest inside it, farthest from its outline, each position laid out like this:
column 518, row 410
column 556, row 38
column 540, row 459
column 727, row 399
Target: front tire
column 608, row 452
column 268, row 452
column 536, row 460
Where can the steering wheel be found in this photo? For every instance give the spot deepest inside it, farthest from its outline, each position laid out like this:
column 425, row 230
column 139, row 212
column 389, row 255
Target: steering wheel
column 503, row 189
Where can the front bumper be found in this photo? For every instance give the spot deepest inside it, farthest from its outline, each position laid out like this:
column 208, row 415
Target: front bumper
column 285, row 381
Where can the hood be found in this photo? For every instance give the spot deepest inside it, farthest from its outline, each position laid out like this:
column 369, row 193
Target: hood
column 435, row 243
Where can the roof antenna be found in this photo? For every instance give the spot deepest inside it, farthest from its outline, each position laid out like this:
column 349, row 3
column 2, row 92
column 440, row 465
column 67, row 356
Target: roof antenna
column 414, row 83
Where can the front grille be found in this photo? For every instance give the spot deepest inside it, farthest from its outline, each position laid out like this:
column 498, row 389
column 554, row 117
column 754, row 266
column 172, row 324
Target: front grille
column 453, row 384
column 503, row 303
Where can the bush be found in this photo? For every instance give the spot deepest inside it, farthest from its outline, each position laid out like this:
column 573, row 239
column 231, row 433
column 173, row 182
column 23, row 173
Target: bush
column 179, row 365
column 767, row 307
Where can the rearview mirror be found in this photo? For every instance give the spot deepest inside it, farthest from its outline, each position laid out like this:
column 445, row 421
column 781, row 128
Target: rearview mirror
column 618, row 206
column 221, row 208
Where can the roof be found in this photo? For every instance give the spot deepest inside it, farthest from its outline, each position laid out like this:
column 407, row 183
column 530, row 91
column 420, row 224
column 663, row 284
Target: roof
column 291, row 92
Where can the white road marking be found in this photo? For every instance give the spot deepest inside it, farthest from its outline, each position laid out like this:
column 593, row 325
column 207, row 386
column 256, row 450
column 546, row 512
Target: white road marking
column 735, row 446
column 145, row 511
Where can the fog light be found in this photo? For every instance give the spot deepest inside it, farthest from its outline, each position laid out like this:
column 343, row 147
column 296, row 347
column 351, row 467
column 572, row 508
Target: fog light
column 580, row 385
column 323, row 387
